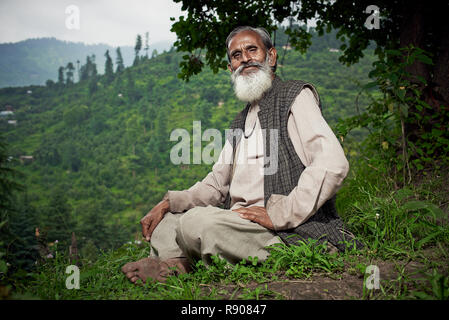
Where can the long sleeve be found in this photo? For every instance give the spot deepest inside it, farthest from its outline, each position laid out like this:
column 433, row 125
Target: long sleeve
column 212, row 190
column 324, row 159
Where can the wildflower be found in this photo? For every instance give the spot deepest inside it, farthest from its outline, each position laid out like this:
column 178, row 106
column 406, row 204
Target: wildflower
column 49, row 256
column 377, row 216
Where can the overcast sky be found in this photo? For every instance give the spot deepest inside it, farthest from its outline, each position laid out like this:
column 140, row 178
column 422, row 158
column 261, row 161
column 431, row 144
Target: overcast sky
column 113, row 22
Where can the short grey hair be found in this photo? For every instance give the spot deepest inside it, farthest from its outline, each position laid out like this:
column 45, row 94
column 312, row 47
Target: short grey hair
column 262, row 32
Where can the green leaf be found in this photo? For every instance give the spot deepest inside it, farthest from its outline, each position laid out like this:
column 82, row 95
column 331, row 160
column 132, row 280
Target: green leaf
column 394, row 52
column 424, row 59
column 422, row 295
column 370, row 85
column 400, row 94
column 419, row 205
column 404, row 108
column 3, row 266
column 403, row 193
column 427, row 239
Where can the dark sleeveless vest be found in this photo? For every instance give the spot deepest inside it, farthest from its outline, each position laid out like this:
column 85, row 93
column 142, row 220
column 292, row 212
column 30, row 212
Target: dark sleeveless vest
column 325, row 224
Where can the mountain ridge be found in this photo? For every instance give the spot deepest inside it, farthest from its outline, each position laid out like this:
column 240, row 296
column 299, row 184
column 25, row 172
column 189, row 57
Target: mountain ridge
column 33, row 61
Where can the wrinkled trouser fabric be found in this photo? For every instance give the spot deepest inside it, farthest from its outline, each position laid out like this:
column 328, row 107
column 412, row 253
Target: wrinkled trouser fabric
column 202, row 232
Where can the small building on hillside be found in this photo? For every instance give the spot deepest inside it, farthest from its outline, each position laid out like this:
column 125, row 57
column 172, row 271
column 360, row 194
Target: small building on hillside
column 6, row 113
column 26, row 159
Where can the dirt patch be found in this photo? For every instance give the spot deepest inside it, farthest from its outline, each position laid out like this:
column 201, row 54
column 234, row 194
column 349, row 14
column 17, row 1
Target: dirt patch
column 320, row 288
column 346, row 285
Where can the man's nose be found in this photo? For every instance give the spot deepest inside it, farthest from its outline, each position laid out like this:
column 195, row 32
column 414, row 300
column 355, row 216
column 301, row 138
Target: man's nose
column 246, row 56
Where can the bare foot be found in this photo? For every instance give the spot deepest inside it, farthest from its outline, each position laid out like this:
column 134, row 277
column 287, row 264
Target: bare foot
column 155, row 269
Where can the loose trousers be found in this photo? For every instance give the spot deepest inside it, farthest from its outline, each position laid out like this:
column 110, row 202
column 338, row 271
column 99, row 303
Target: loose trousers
column 202, row 232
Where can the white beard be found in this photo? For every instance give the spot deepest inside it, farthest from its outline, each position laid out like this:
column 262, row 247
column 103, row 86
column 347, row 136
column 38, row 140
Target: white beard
column 251, row 87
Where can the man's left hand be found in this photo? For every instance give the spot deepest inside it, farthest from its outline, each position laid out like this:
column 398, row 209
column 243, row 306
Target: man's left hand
column 256, row 214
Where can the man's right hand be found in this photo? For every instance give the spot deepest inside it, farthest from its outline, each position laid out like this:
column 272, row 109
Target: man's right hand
column 152, row 219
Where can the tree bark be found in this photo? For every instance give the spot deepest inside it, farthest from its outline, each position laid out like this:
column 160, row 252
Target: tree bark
column 441, row 69
column 421, row 27
column 413, row 33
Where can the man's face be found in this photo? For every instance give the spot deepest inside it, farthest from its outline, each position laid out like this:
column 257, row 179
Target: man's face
column 246, row 47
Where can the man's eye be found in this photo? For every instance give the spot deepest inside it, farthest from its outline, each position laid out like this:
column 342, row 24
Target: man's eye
column 236, row 55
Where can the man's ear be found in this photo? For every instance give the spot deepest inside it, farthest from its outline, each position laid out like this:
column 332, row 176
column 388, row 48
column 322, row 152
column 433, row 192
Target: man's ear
column 229, row 67
column 272, row 56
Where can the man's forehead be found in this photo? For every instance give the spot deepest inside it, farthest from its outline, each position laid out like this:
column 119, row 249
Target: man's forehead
column 245, row 36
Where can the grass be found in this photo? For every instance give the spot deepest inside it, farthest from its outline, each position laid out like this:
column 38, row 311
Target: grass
column 404, row 230
column 102, row 279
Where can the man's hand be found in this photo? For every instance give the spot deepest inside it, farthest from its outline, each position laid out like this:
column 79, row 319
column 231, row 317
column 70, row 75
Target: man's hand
column 152, row 219
column 256, row 214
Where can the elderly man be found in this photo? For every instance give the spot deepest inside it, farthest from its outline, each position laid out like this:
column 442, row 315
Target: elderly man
column 285, row 196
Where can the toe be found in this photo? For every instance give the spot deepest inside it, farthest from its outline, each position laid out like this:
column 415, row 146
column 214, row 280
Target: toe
column 129, row 267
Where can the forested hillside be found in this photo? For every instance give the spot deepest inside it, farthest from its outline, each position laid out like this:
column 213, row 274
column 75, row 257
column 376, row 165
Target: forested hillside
column 34, row 61
column 92, row 157
column 88, row 152
column 100, row 148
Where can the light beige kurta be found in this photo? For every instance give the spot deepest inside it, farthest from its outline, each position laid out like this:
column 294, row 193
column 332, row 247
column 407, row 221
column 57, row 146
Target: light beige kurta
column 314, row 142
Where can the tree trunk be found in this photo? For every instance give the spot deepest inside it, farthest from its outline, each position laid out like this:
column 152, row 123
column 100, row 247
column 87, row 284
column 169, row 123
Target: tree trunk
column 441, row 69
column 421, row 28
column 73, row 251
column 413, row 33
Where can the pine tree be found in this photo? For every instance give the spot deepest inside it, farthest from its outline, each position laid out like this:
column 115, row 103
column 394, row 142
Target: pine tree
column 93, row 86
column 161, row 132
column 119, row 61
column 10, row 213
column 137, row 49
column 61, row 76
column 71, row 158
column 89, row 70
column 69, row 73
column 147, row 47
column 24, row 247
column 154, row 157
column 93, row 70
column 108, row 68
column 84, row 70
column 78, row 69
column 59, row 224
column 8, row 178
column 94, row 226
column 130, row 87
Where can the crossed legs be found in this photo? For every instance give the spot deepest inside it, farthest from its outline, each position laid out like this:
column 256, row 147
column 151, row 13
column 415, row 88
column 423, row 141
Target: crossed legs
column 183, row 238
